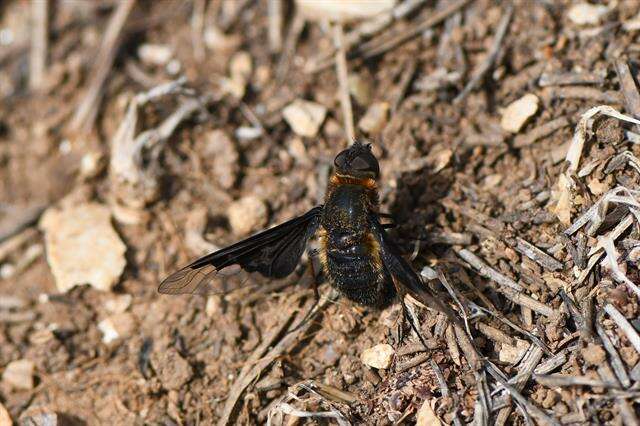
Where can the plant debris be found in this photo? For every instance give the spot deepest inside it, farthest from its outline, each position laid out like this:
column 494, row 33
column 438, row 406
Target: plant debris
column 509, row 147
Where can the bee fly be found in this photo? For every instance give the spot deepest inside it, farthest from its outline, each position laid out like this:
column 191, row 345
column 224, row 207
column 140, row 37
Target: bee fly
column 356, row 254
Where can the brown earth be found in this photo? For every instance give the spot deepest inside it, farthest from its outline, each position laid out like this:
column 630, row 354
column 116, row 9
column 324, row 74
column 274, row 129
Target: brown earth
column 451, row 176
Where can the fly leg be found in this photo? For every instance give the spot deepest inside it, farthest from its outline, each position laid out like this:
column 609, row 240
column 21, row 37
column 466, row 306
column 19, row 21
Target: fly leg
column 316, row 280
column 407, row 315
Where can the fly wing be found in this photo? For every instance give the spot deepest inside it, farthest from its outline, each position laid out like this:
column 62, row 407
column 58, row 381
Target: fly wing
column 404, row 275
column 274, row 253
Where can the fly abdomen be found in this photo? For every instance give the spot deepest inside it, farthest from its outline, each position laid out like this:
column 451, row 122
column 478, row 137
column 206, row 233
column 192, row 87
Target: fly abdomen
column 354, row 272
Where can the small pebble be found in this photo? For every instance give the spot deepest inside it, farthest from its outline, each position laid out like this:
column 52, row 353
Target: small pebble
column 118, row 304
column 155, row 54
column 304, row 117
column 222, row 151
column 19, row 374
column 360, row 88
column 342, row 10
column 217, row 40
column 82, row 246
column 43, row 417
column 172, row 369
column 518, row 112
column 247, row 214
column 586, row 13
column 379, row 356
column 213, row 305
column 240, row 70
column 375, row 118
column 593, row 354
column 5, row 418
column 512, row 354
column 92, row 164
column 116, row 326
column 426, row 416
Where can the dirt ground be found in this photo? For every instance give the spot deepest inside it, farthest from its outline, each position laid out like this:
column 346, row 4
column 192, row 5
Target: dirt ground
column 529, row 216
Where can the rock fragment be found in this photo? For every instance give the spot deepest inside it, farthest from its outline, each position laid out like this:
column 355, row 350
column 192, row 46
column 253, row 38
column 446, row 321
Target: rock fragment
column 240, row 70
column 379, row 356
column 173, row 370
column 375, row 118
column 426, row 416
column 342, row 10
column 360, row 88
column 155, row 54
column 221, row 149
column 587, row 14
column 82, row 246
column 593, row 354
column 118, row 304
column 19, row 374
column 247, row 214
column 304, row 117
column 518, row 112
column 512, row 354
column 5, row 418
column 116, row 326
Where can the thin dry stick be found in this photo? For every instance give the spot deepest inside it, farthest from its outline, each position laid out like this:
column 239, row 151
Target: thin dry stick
column 537, row 255
column 515, row 394
column 487, row 271
column 260, row 359
column 519, row 381
column 624, row 325
column 509, row 288
column 491, row 58
column 540, row 132
column 341, row 70
column 87, row 111
column 367, row 28
column 293, row 35
column 561, row 380
column 39, row 42
column 629, row 89
column 616, row 361
column 376, row 47
column 274, row 11
column 197, row 28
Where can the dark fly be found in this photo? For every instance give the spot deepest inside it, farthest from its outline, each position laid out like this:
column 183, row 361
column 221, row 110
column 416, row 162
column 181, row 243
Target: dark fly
column 356, row 253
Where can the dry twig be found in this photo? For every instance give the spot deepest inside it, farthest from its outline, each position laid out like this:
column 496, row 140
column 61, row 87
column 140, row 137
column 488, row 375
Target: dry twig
column 341, row 70
column 39, row 42
column 491, row 58
column 87, row 110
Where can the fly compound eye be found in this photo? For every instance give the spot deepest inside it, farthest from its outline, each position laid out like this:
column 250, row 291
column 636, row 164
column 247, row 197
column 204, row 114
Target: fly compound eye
column 341, row 160
column 361, row 163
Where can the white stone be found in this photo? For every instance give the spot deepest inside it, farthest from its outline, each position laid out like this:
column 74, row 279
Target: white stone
column 19, row 374
column 426, row 416
column 82, row 246
column 379, row 356
column 5, row 418
column 116, row 327
column 304, row 117
column 586, row 13
column 247, row 214
column 518, row 112
column 513, row 354
column 342, row 10
column 375, row 118
column 155, row 54
column 360, row 88
column 118, row 304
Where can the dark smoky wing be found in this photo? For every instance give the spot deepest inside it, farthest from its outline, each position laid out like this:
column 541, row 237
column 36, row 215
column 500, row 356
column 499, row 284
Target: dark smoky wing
column 404, row 275
column 273, row 253
column 206, row 279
